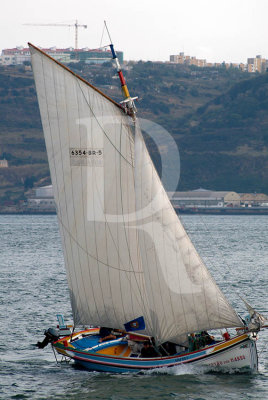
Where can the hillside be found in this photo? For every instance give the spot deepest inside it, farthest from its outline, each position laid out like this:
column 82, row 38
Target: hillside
column 217, row 117
column 226, row 140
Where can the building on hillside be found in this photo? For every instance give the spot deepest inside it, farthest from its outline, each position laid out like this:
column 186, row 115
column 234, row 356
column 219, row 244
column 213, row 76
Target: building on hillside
column 19, row 55
column 3, row 163
column 96, row 56
column 257, row 64
column 200, row 63
column 15, row 56
column 177, row 59
column 181, row 58
column 205, row 198
column 44, row 192
column 42, row 200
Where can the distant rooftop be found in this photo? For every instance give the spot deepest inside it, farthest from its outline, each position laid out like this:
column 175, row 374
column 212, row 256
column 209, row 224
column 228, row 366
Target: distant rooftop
column 25, row 50
column 200, row 194
column 201, row 190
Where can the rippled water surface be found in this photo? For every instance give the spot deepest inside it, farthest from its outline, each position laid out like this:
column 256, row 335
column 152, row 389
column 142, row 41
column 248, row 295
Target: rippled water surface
column 34, row 289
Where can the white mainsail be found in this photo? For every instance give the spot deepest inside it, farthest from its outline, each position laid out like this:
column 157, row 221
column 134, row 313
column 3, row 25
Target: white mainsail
column 90, row 146
column 126, row 252
column 183, row 296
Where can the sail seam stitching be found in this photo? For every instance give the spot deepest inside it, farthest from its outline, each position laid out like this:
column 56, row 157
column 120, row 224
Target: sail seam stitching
column 53, row 158
column 65, row 197
column 92, row 286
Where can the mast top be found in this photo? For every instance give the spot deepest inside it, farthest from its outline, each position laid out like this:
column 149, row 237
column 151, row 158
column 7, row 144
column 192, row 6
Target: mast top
column 129, row 102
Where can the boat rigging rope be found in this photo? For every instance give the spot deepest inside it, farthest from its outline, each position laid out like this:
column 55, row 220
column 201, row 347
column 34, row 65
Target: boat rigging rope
column 102, row 35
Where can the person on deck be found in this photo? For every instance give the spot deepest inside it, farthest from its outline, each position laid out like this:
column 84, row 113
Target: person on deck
column 148, row 350
column 226, row 336
column 168, row 348
column 192, row 342
column 207, row 339
column 106, row 334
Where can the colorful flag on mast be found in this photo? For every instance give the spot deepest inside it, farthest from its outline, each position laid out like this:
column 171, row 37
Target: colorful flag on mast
column 137, row 324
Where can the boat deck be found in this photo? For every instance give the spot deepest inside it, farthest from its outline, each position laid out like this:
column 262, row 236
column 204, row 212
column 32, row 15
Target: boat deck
column 90, row 342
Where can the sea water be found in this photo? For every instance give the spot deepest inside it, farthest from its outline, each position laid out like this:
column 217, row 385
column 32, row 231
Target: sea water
column 34, row 289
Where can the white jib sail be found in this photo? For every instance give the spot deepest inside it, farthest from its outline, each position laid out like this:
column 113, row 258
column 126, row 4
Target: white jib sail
column 125, row 251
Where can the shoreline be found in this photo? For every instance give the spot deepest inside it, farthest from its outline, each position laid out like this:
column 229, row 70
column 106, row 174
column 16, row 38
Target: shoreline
column 223, row 210
column 180, row 211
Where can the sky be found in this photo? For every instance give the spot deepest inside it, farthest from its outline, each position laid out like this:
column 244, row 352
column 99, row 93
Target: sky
column 226, row 30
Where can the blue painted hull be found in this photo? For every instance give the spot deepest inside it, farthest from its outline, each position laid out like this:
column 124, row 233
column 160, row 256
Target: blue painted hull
column 239, row 353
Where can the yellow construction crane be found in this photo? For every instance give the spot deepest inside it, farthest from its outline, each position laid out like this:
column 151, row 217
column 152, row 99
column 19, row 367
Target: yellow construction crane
column 76, row 25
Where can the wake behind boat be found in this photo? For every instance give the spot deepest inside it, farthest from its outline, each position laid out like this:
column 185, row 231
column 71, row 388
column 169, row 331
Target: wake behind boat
column 131, row 266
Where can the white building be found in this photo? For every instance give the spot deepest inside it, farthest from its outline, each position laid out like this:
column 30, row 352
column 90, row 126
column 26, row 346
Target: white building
column 19, row 55
column 3, row 163
column 204, row 198
column 42, row 200
column 44, row 192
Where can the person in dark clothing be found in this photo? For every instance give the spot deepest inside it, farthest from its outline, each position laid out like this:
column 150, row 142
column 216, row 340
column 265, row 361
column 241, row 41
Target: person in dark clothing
column 167, row 348
column 106, row 334
column 193, row 346
column 148, row 351
column 207, row 339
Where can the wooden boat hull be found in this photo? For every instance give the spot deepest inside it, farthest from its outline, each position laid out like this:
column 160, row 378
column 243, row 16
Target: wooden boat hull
column 237, row 354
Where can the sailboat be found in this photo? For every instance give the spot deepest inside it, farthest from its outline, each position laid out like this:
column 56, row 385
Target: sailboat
column 132, row 270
